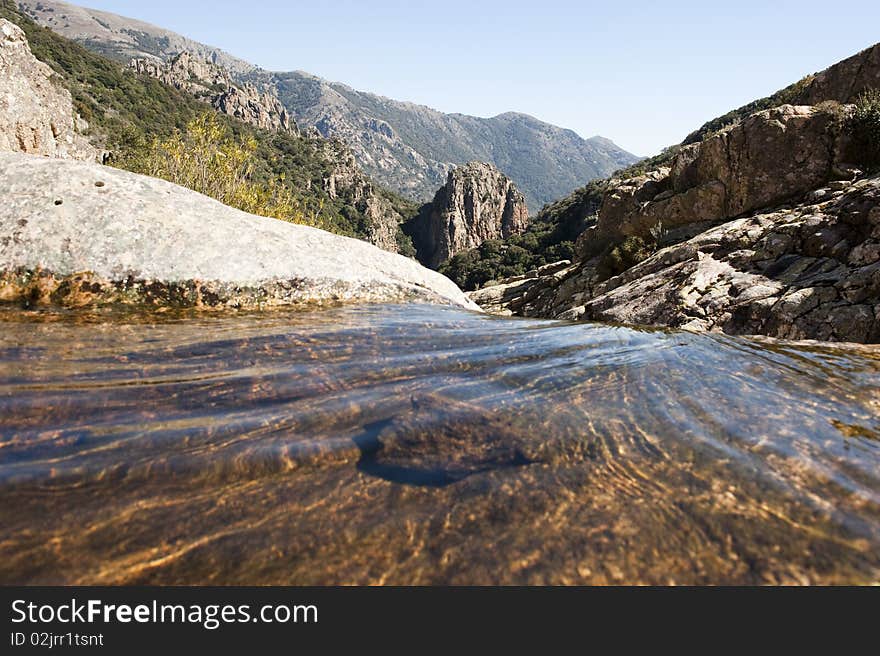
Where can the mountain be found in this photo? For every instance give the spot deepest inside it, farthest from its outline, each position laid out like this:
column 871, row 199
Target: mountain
column 123, row 38
column 124, row 112
column 407, row 147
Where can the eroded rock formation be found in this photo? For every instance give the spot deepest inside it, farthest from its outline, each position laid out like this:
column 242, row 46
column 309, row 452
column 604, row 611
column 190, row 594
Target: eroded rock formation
column 36, row 111
column 213, row 84
column 476, row 204
column 771, row 156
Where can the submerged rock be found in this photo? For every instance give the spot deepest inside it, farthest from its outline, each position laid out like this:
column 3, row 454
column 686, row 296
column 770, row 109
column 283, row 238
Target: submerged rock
column 75, row 233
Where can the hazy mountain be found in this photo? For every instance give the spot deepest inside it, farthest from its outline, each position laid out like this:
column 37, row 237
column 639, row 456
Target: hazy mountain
column 408, row 147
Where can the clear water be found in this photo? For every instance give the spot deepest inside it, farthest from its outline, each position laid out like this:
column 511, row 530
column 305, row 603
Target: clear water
column 419, row 445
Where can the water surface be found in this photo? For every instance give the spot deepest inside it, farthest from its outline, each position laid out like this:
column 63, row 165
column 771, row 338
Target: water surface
column 419, row 445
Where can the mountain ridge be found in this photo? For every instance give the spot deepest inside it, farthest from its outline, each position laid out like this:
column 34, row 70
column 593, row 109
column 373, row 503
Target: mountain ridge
column 407, row 146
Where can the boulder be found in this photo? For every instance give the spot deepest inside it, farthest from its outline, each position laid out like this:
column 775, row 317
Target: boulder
column 77, row 233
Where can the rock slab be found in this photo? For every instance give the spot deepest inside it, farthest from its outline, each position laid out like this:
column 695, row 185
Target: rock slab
column 77, row 233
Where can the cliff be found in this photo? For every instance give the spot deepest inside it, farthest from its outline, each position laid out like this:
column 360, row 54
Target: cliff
column 213, row 84
column 36, row 112
column 477, row 203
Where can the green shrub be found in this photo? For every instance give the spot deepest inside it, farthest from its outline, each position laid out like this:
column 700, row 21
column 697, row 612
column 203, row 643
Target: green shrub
column 864, row 127
column 207, row 158
column 622, row 256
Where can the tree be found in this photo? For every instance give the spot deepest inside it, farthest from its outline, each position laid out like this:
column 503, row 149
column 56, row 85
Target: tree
column 208, row 159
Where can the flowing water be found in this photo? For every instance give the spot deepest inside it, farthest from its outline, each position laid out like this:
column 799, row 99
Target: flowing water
column 418, row 445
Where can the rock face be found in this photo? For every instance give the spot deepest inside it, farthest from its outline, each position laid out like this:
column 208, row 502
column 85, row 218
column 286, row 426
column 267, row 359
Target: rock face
column 213, row 84
column 75, row 233
column 760, row 229
column 249, row 104
column 36, row 111
column 807, row 271
column 811, row 271
column 476, row 204
column 772, row 155
column 845, row 80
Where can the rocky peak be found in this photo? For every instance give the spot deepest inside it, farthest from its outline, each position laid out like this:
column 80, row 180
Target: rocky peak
column 249, row 104
column 184, row 72
column 476, row 204
column 36, row 111
column 212, row 83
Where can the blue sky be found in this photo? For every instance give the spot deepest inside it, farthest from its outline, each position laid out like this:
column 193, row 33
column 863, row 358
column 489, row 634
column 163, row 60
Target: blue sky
column 641, row 73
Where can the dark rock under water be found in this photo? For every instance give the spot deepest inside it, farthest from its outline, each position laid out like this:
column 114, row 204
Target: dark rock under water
column 418, row 445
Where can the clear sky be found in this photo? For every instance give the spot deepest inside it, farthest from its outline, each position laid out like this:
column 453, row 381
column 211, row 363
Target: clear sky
column 641, row 73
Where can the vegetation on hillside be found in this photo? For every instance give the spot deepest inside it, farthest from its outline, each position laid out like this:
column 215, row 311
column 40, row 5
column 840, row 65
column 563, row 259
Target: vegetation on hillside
column 864, row 126
column 207, row 158
column 130, row 115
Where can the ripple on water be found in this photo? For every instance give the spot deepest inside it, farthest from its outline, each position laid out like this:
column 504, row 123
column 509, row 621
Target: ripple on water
column 415, row 444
